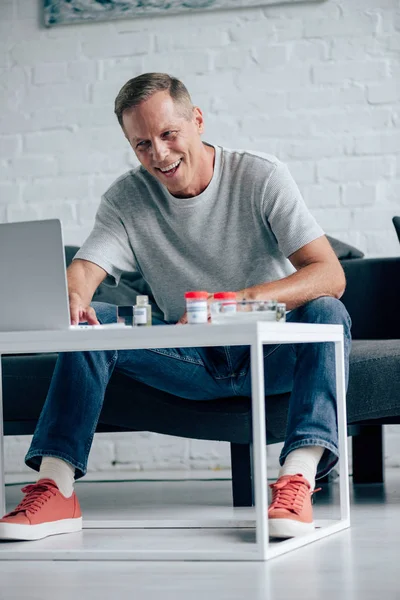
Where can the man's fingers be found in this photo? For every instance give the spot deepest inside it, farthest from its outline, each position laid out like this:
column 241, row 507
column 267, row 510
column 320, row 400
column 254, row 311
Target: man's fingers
column 74, row 309
column 182, row 320
column 91, row 317
column 81, row 314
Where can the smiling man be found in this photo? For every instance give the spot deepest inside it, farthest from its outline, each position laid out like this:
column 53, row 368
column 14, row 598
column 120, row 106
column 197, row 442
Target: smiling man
column 193, row 216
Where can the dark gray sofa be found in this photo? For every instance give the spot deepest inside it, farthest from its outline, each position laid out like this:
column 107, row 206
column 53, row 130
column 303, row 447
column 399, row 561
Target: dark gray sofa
column 371, row 297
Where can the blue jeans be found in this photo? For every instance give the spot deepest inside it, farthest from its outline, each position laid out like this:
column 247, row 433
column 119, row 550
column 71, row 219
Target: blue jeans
column 69, row 417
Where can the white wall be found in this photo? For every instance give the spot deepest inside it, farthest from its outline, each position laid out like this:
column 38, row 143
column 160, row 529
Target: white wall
column 318, row 84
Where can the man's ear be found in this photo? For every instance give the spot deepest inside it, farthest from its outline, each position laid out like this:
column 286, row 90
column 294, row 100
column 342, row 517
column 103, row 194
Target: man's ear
column 198, row 119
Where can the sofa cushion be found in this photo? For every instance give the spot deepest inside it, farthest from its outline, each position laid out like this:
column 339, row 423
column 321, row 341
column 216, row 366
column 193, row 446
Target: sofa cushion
column 344, row 251
column 374, row 385
column 371, row 297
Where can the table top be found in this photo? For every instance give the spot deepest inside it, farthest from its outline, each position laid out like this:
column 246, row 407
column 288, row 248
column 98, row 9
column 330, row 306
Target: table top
column 166, row 336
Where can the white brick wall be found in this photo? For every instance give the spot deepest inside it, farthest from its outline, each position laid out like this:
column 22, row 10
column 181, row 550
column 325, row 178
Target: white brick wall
column 318, row 84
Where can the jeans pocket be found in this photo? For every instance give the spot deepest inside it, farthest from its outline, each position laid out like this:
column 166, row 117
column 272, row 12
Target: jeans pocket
column 190, row 355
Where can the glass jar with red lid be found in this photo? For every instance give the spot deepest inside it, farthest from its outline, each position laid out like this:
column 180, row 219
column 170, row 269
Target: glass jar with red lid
column 227, row 301
column 197, row 307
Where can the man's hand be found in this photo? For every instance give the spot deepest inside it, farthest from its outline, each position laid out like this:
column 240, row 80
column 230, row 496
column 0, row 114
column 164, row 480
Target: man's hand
column 81, row 313
column 83, row 279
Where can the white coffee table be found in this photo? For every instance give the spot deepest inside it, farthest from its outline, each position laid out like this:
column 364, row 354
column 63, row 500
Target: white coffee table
column 180, row 336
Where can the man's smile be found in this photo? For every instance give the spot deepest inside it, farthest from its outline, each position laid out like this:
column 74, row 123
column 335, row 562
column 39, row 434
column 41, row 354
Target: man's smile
column 171, row 169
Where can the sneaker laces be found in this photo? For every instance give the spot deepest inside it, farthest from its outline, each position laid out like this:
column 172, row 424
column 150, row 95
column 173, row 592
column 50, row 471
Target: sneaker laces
column 289, row 494
column 36, row 495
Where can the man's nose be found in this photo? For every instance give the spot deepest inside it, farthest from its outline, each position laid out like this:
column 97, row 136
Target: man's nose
column 159, row 151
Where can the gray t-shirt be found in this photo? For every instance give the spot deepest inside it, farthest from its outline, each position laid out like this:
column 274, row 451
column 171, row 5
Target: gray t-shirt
column 237, row 233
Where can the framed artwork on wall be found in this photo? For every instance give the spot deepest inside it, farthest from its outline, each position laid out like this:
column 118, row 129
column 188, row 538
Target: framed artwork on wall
column 62, row 12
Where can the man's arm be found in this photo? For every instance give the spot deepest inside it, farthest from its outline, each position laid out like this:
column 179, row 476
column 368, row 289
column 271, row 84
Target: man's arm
column 319, row 273
column 83, row 279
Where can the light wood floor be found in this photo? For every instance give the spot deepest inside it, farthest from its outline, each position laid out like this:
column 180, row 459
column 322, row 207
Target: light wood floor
column 360, row 563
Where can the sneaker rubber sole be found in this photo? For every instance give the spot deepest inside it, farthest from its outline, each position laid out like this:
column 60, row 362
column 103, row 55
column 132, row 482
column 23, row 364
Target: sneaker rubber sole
column 14, row 531
column 288, row 528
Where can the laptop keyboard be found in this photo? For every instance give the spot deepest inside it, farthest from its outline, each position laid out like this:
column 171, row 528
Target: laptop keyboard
column 105, row 326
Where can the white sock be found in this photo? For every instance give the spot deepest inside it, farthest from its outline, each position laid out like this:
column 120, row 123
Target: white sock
column 304, row 461
column 61, row 472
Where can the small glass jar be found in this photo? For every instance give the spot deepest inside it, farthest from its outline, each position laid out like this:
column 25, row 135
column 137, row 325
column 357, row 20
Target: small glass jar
column 281, row 311
column 196, row 307
column 125, row 315
column 142, row 312
column 227, row 300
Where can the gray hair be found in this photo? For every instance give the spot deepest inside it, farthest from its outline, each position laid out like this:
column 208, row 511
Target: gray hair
column 140, row 88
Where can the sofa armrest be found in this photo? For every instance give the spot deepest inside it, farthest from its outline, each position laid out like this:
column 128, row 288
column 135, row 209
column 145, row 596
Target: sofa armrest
column 372, row 297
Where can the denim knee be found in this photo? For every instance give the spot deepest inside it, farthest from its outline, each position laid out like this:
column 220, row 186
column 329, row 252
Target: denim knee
column 106, row 313
column 328, row 310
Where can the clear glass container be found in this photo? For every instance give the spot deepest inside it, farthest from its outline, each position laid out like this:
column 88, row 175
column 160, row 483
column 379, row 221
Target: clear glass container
column 125, row 315
column 248, row 310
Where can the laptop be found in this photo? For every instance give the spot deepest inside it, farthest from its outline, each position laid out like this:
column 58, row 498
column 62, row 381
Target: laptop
column 33, row 285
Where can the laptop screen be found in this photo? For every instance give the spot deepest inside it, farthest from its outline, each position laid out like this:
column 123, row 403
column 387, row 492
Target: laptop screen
column 33, row 286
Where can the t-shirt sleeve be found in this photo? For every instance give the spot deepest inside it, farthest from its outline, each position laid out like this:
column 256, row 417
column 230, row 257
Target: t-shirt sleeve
column 286, row 213
column 108, row 244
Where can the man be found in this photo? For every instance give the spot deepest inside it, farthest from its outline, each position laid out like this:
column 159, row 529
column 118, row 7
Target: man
column 193, row 216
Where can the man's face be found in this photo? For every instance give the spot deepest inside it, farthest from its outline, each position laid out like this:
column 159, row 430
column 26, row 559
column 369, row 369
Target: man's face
column 166, row 143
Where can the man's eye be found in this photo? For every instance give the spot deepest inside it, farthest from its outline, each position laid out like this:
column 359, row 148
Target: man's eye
column 141, row 144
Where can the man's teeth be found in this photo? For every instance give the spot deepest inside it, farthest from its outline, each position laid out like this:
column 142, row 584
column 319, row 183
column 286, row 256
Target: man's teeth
column 175, row 164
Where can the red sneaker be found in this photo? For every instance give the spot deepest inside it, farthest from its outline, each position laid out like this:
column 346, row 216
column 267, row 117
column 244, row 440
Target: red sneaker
column 290, row 512
column 44, row 511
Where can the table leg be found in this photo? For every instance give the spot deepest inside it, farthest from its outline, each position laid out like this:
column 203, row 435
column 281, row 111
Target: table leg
column 259, row 447
column 2, row 478
column 342, row 432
